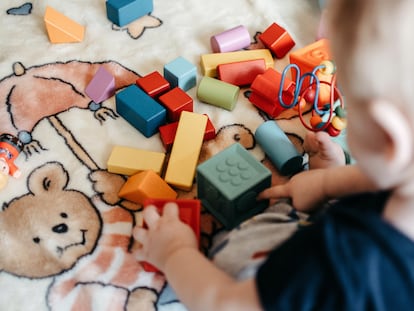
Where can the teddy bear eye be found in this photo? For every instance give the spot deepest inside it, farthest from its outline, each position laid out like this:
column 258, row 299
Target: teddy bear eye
column 63, row 215
column 36, row 240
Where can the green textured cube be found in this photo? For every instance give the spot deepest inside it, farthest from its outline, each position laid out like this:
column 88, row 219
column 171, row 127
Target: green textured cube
column 228, row 184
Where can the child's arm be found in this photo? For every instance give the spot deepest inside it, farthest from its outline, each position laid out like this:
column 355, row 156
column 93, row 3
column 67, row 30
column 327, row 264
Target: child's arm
column 171, row 246
column 309, row 189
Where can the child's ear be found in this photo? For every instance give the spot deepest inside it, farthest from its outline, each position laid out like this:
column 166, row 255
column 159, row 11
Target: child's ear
column 397, row 132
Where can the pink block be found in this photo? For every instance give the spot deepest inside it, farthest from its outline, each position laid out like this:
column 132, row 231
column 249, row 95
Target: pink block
column 234, row 39
column 102, row 86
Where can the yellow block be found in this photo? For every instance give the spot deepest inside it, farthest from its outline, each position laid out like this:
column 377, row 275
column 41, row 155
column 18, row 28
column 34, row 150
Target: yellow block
column 62, row 29
column 146, row 185
column 209, row 62
column 186, row 150
column 129, row 161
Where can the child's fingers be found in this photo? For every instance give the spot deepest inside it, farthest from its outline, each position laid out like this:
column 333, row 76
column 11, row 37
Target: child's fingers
column 275, row 192
column 151, row 215
column 140, row 234
column 171, row 210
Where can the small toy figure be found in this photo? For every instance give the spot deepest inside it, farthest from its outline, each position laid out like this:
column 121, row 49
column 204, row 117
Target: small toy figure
column 10, row 148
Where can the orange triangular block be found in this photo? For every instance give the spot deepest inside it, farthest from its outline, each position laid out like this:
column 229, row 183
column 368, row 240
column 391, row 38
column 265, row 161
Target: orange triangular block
column 61, row 29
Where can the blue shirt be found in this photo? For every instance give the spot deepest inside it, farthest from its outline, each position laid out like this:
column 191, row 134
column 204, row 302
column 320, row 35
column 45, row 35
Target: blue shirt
column 349, row 259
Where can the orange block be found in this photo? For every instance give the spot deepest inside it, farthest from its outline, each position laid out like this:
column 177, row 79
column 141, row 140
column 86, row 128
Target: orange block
column 310, row 56
column 62, row 29
column 144, row 185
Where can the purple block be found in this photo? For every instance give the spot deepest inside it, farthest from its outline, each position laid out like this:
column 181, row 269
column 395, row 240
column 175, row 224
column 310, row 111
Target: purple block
column 102, row 86
column 234, row 39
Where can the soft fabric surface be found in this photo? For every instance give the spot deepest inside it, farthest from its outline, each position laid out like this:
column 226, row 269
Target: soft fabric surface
column 65, row 235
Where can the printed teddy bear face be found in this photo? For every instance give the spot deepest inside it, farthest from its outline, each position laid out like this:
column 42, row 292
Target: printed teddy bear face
column 38, row 239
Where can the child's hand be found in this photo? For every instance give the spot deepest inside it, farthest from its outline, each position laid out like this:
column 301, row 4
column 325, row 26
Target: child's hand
column 306, row 190
column 165, row 235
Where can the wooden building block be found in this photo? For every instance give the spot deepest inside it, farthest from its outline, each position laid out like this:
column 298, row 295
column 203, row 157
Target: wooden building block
column 229, row 182
column 209, row 62
column 123, row 12
column 271, row 107
column 167, row 134
column 180, row 72
column 144, row 185
column 277, row 39
column 129, row 161
column 233, row 39
column 62, row 29
column 310, row 56
column 168, row 131
column 176, row 101
column 186, row 150
column 140, row 110
column 241, row 73
column 102, row 86
column 154, row 84
column 218, row 93
column 267, row 84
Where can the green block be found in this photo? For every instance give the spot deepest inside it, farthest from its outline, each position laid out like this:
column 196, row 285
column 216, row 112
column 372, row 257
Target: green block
column 228, row 184
column 218, row 93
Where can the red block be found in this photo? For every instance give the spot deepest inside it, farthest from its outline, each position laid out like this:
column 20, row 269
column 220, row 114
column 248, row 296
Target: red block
column 189, row 213
column 154, row 84
column 167, row 133
column 267, row 85
column 271, row 108
column 176, row 101
column 241, row 73
column 210, row 132
column 277, row 40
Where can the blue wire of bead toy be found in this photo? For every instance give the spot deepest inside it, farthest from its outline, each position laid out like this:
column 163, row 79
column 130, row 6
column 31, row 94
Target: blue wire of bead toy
column 298, row 86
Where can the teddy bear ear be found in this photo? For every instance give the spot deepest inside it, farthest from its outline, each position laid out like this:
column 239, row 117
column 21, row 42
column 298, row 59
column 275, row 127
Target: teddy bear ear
column 50, row 177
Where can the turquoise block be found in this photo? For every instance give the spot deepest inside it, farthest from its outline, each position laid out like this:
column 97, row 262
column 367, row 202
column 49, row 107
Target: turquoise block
column 180, row 72
column 140, row 110
column 279, row 149
column 123, row 12
column 228, row 184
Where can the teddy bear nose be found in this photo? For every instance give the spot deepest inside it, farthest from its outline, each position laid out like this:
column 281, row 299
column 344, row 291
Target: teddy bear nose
column 61, row 228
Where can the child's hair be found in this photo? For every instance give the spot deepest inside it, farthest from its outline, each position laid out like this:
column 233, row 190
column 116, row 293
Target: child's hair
column 373, row 45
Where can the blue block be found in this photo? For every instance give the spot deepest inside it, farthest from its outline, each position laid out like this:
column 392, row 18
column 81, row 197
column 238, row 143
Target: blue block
column 123, row 12
column 228, row 184
column 180, row 72
column 140, row 110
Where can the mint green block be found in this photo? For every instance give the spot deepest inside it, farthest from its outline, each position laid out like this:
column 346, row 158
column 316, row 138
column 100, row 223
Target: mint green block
column 228, row 184
column 218, row 93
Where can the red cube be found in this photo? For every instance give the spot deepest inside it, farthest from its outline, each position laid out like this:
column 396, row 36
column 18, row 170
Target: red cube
column 277, row 40
column 154, row 84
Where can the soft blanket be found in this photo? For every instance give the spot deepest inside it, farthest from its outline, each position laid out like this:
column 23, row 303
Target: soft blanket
column 65, row 235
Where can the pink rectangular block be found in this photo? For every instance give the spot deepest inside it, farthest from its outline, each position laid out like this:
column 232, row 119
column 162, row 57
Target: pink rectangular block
column 102, row 86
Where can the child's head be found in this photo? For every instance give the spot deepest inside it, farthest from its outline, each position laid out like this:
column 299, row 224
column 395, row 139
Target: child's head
column 373, row 47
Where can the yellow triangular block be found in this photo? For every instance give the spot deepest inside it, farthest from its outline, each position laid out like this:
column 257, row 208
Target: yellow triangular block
column 62, row 29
